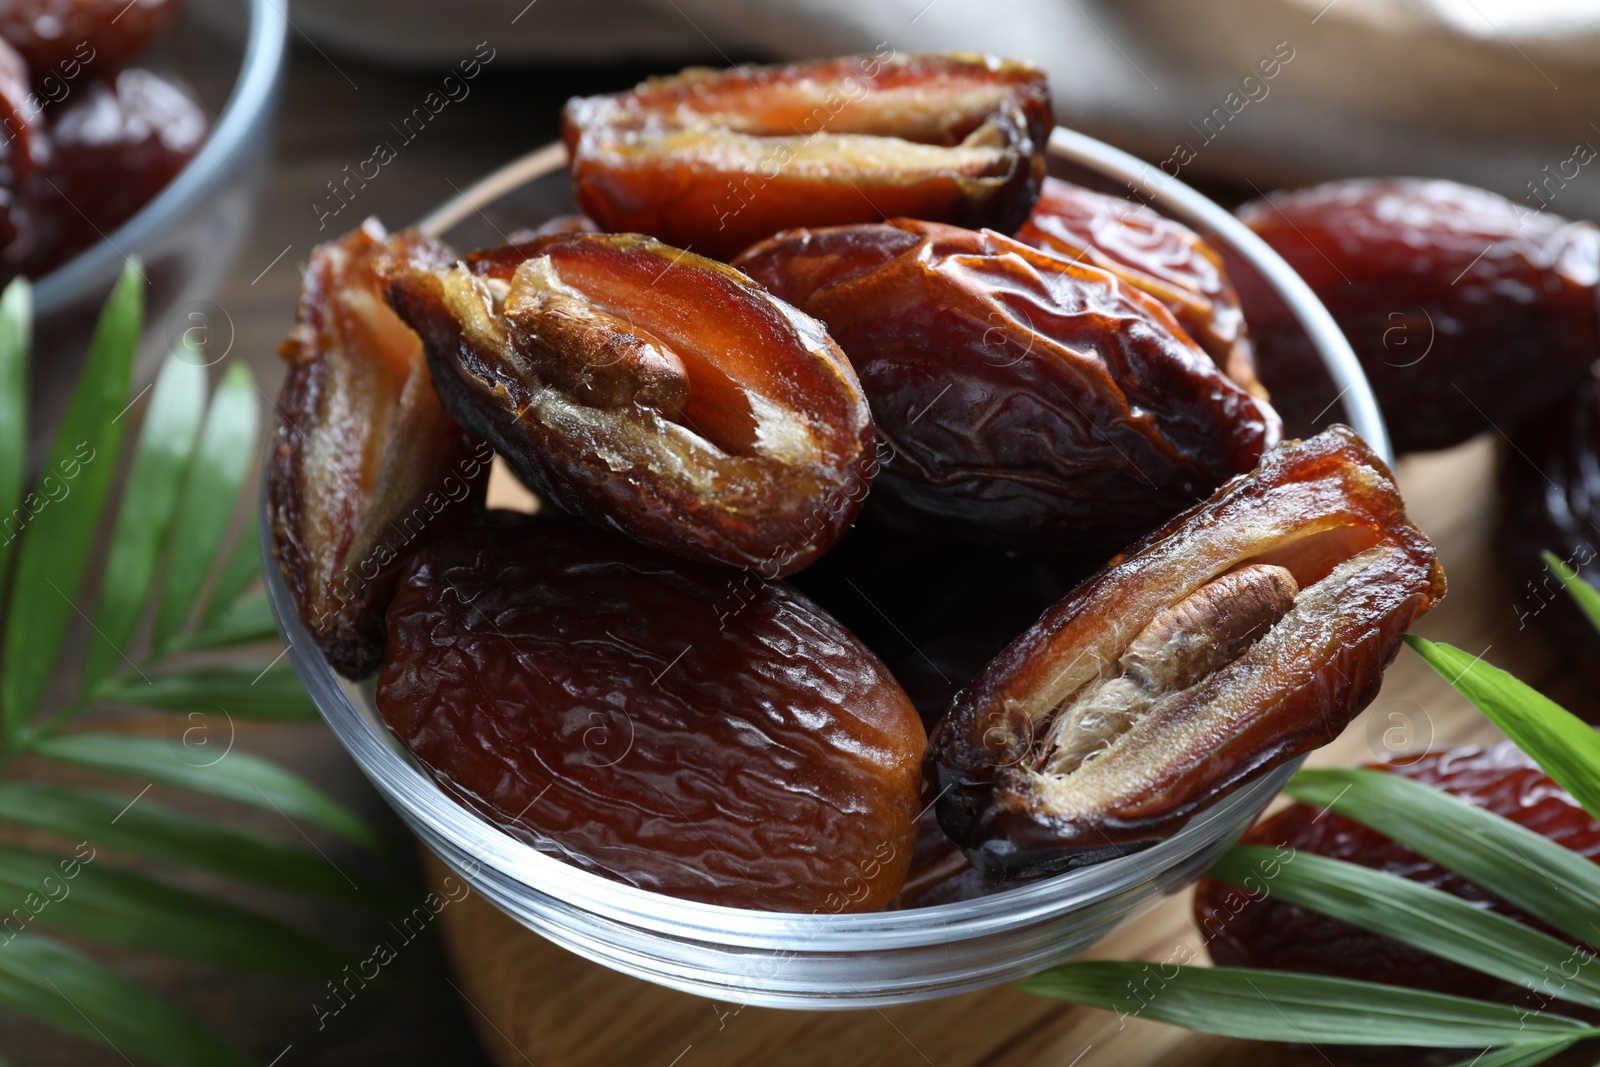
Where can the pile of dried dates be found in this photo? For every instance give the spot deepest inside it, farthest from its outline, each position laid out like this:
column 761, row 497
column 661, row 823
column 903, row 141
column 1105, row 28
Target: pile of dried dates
column 911, row 523
column 86, row 137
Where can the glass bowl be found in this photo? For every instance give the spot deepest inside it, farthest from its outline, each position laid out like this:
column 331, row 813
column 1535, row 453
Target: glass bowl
column 230, row 53
column 810, row 960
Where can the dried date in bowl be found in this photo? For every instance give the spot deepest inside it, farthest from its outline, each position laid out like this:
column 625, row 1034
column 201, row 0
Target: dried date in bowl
column 651, row 390
column 715, row 160
column 1154, row 254
column 1247, row 930
column 365, row 464
column 1466, row 310
column 1247, row 631
column 658, row 721
column 1023, row 400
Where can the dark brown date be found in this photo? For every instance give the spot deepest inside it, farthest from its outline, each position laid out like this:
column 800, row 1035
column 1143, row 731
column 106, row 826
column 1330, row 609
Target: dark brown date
column 1023, row 400
column 651, row 390
column 52, row 32
column 366, row 466
column 1550, row 502
column 715, row 160
column 1466, row 310
column 1247, row 631
column 1266, row 932
column 116, row 144
column 584, row 694
column 1154, row 254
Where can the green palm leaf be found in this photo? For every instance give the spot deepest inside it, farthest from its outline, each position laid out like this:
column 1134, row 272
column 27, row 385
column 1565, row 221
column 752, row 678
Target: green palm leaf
column 227, row 444
column 16, row 322
column 145, row 828
column 248, row 690
column 160, row 460
column 1303, row 1008
column 231, row 775
column 1514, row 863
column 1587, row 596
column 1567, row 748
column 243, row 568
column 246, row 620
column 1417, row 915
column 54, row 549
column 1525, row 1055
column 90, row 899
column 52, row 983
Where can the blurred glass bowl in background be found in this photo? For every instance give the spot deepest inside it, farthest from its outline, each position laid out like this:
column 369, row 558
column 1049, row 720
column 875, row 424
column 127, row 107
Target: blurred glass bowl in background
column 230, row 53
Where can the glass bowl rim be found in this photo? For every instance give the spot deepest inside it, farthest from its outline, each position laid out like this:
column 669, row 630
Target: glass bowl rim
column 250, row 98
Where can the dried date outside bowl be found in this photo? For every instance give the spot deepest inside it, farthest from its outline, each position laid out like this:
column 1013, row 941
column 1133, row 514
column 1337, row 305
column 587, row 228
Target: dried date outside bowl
column 820, row 960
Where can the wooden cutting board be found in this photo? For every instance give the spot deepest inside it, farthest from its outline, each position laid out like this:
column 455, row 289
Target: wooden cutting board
column 535, row 1003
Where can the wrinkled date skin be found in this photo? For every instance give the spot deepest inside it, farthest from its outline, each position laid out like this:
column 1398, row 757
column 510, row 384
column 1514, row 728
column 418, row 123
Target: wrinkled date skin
column 1250, row 629
column 1550, row 501
column 1156, row 255
column 1464, row 308
column 51, row 32
column 1246, row 931
column 1023, row 400
column 115, row 145
column 715, row 160
column 651, row 390
column 366, row 466
column 583, row 693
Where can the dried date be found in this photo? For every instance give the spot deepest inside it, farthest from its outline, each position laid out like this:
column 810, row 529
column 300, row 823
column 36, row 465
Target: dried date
column 366, row 466
column 1022, row 399
column 1465, row 309
column 1266, row 932
column 1247, row 631
column 652, row 390
column 582, row 692
column 52, row 32
column 1550, row 502
column 715, row 160
column 1156, row 255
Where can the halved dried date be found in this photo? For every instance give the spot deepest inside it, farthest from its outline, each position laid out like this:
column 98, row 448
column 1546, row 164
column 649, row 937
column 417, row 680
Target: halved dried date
column 1155, row 254
column 651, row 390
column 1247, row 631
column 1245, row 930
column 715, row 160
column 1465, row 309
column 366, row 466
column 1025, row 400
column 587, row 695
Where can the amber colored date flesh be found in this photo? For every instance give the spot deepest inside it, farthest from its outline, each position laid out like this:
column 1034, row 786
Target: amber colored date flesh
column 1022, row 399
column 587, row 695
column 1250, row 629
column 653, row 391
column 365, row 464
column 715, row 160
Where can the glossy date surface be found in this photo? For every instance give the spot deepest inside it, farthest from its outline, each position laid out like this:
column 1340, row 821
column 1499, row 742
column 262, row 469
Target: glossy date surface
column 653, row 391
column 1465, row 309
column 1155, row 254
column 715, row 160
column 1266, row 932
column 51, row 32
column 587, row 695
column 366, row 465
column 1022, row 400
column 1250, row 629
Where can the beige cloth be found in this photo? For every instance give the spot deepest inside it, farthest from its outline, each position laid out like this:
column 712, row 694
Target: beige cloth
column 1500, row 93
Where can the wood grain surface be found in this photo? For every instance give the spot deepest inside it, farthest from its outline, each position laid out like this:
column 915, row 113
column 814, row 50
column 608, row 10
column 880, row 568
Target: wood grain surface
column 535, row 1003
